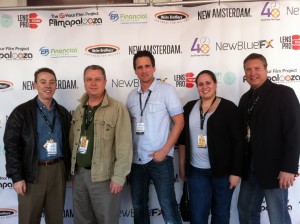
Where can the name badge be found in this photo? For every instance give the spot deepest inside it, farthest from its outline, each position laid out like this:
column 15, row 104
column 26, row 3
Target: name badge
column 202, row 139
column 83, row 144
column 140, row 128
column 51, row 147
column 248, row 137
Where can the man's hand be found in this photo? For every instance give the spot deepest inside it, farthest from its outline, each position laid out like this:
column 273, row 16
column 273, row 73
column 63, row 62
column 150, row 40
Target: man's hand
column 286, row 180
column 115, row 188
column 20, row 187
column 158, row 155
column 234, row 181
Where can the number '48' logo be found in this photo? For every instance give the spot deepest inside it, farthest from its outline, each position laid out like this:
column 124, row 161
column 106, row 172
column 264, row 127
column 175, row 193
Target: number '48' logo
column 271, row 9
column 201, row 46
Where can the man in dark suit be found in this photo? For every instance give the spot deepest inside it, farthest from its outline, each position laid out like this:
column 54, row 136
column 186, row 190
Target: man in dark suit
column 271, row 117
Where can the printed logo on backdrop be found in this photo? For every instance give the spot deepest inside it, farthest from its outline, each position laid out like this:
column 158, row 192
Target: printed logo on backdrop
column 200, row 47
column 6, row 21
column 30, row 20
column 282, row 75
column 290, row 42
column 61, row 84
column 59, row 52
column 128, row 18
column 129, row 213
column 228, row 78
column 5, row 183
column 125, row 83
column 186, row 80
column 293, row 11
column 68, row 213
column 6, row 86
column 244, row 45
column 129, row 83
column 15, row 53
column 102, row 50
column 224, row 13
column 270, row 11
column 67, row 20
column 8, row 213
column 126, row 213
column 156, row 49
column 171, row 17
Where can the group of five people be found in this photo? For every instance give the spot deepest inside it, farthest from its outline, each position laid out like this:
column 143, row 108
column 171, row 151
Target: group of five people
column 104, row 141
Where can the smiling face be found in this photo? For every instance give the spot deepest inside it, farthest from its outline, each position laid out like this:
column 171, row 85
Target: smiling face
column 45, row 84
column 255, row 72
column 207, row 87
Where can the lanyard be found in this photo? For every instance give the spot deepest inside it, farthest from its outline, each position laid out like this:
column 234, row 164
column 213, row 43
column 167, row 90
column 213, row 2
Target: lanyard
column 88, row 121
column 51, row 126
column 202, row 116
column 142, row 109
column 251, row 107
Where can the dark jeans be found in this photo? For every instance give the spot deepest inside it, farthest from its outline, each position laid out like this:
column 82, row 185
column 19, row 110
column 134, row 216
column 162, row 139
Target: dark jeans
column 251, row 197
column 162, row 175
column 209, row 195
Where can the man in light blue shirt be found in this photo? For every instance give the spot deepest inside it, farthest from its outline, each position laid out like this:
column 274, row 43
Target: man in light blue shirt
column 157, row 120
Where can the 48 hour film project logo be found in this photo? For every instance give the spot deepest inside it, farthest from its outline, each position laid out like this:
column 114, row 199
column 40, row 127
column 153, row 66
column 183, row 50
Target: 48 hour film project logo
column 67, row 20
column 200, row 47
column 15, row 53
column 270, row 11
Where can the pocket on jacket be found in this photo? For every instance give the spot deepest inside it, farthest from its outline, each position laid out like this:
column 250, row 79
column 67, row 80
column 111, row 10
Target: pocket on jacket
column 109, row 130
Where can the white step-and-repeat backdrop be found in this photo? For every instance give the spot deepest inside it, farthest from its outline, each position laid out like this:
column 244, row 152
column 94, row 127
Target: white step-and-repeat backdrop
column 184, row 41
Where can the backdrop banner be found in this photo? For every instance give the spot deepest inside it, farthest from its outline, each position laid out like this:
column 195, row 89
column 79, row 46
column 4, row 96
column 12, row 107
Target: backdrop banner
column 184, row 41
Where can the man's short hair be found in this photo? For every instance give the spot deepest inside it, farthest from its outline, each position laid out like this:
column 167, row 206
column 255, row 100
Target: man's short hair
column 256, row 56
column 95, row 67
column 143, row 54
column 40, row 70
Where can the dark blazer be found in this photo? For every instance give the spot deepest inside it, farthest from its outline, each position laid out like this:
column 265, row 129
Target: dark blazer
column 20, row 141
column 275, row 133
column 224, row 139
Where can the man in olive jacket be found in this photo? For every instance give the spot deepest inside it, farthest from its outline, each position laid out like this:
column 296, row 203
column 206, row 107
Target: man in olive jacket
column 101, row 152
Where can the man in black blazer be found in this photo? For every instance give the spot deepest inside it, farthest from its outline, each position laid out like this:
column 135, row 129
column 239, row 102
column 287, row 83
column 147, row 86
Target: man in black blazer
column 271, row 117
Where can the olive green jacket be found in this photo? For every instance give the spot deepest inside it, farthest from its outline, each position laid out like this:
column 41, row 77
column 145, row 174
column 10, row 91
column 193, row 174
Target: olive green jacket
column 112, row 153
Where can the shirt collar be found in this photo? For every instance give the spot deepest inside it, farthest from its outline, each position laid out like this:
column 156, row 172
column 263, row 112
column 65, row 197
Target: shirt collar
column 41, row 105
column 151, row 87
column 84, row 99
column 260, row 89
